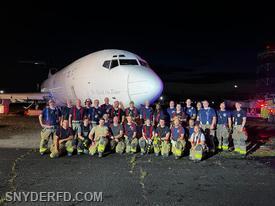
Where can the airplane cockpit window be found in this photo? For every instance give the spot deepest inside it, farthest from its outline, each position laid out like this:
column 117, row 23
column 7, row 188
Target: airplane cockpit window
column 114, row 63
column 143, row 63
column 106, row 64
column 128, row 62
column 121, row 55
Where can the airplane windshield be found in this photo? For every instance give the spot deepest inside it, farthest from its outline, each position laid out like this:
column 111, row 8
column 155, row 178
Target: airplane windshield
column 128, row 62
column 143, row 63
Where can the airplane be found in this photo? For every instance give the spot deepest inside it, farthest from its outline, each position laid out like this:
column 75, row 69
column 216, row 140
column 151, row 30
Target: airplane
column 116, row 74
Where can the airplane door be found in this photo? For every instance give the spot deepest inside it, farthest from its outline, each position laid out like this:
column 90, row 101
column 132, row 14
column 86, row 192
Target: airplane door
column 71, row 94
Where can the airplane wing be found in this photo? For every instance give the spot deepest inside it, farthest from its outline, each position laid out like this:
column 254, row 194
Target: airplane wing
column 25, row 97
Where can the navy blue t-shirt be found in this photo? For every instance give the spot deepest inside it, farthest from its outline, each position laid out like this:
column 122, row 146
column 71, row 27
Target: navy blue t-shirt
column 238, row 116
column 51, row 116
column 190, row 111
column 129, row 130
column 162, row 131
column 171, row 112
column 206, row 115
column 66, row 111
column 223, row 117
column 64, row 133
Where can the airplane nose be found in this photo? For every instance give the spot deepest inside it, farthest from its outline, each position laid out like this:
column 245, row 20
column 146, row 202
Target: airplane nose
column 144, row 85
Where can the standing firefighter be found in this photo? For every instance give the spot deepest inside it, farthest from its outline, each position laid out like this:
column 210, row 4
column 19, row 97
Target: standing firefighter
column 162, row 134
column 62, row 141
column 189, row 110
column 99, row 139
column 117, row 112
column 198, row 146
column 66, row 111
column 224, row 126
column 106, row 107
column 145, row 142
column 158, row 115
column 116, row 135
column 180, row 114
column 146, row 112
column 96, row 113
column 131, row 140
column 177, row 139
column 88, row 107
column 83, row 137
column 239, row 134
column 76, row 119
column 49, row 120
column 171, row 110
column 207, row 118
column 132, row 111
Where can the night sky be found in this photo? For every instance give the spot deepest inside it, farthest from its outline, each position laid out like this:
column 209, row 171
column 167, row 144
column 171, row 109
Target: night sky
column 198, row 50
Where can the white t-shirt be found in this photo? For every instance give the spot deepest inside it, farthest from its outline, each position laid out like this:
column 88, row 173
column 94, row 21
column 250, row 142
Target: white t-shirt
column 196, row 138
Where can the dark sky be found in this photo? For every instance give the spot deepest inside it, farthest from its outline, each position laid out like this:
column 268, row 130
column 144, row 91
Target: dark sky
column 198, row 50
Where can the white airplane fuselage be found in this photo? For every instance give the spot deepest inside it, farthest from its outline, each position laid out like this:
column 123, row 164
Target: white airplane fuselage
column 87, row 78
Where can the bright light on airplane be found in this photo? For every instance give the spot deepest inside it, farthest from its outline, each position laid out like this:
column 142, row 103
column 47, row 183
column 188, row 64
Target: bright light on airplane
column 1, row 91
column 117, row 74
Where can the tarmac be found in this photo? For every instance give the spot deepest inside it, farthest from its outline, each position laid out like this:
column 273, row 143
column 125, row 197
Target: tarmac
column 222, row 179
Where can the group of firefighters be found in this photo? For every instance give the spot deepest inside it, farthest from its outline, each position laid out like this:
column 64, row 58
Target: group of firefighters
column 94, row 129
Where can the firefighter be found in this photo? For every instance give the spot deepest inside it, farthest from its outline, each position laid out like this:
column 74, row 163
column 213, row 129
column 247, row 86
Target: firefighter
column 62, row 141
column 99, row 138
column 207, row 118
column 171, row 110
column 190, row 128
column 75, row 120
column 88, row 107
column 66, row 111
column 158, row 115
column 146, row 112
column 162, row 134
column 145, row 142
column 107, row 121
column 132, row 111
column 224, row 126
column 199, row 107
column 116, row 135
column 198, row 147
column 177, row 139
column 190, row 111
column 106, row 107
column 130, row 133
column 49, row 120
column 83, row 137
column 239, row 134
column 96, row 113
column 180, row 114
column 117, row 112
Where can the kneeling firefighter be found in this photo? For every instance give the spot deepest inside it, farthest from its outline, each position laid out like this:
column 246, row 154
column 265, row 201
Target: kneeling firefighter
column 116, row 136
column 177, row 139
column 161, row 140
column 99, row 138
column 198, row 147
column 145, row 142
column 62, row 142
column 131, row 140
column 83, row 137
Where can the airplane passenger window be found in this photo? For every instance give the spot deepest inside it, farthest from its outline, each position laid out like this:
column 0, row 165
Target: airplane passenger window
column 128, row 62
column 114, row 63
column 106, row 64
